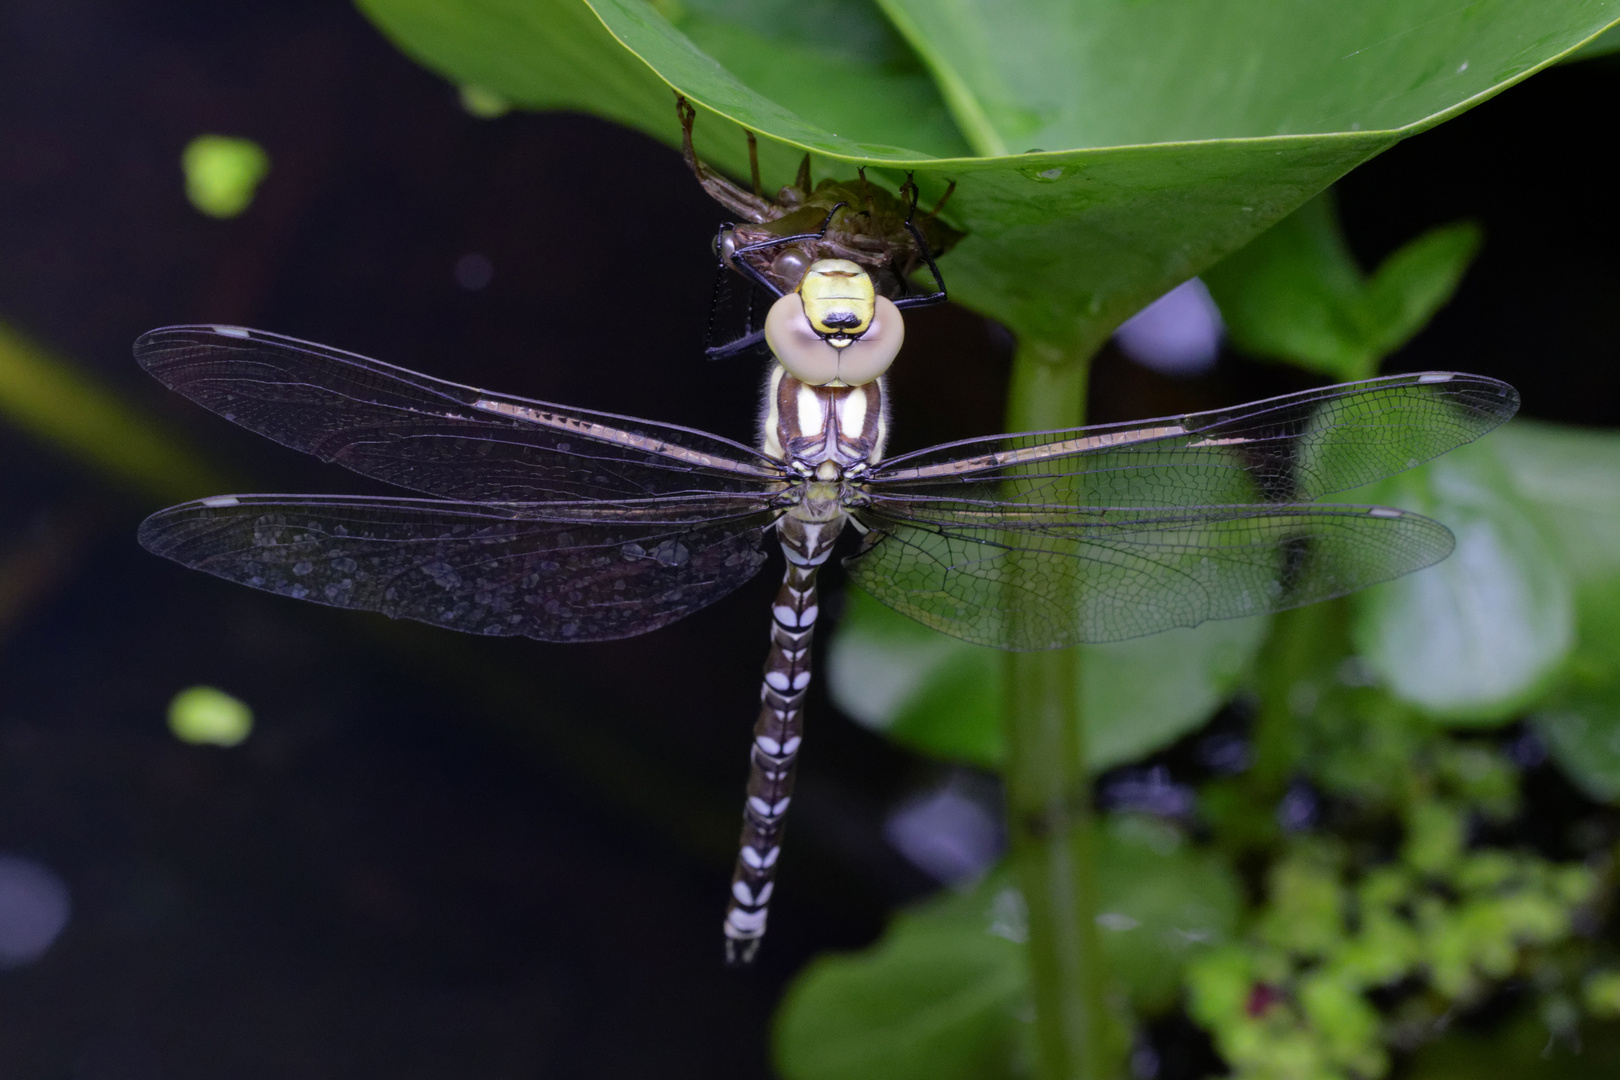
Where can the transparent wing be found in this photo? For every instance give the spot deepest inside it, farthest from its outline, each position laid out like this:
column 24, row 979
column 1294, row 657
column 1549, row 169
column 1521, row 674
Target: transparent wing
column 437, row 437
column 1047, row 578
column 557, row 572
column 1285, row 449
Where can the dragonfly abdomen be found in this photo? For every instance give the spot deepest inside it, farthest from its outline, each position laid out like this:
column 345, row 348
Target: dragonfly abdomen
column 778, row 734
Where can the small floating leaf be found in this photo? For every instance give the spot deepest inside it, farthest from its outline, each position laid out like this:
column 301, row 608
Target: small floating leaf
column 202, row 715
column 223, row 173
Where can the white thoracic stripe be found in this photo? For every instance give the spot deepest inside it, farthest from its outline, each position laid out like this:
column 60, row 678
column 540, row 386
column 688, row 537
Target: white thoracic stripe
column 772, row 422
column 811, row 418
column 776, row 680
column 792, row 745
column 852, row 414
column 768, row 744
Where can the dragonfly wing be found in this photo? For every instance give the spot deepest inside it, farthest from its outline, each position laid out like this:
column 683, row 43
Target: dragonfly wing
column 579, row 572
column 1287, row 449
column 437, row 437
column 1047, row 579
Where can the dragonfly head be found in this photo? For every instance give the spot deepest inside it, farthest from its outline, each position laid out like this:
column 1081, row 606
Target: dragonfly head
column 835, row 329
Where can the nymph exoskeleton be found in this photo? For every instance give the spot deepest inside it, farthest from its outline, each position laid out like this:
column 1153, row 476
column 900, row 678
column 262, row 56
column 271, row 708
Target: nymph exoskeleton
column 778, row 240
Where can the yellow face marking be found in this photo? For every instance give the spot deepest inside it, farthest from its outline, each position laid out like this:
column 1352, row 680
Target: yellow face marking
column 838, row 300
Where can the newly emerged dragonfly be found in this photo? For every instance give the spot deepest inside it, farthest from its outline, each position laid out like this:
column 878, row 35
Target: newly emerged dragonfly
column 779, row 238
column 565, row 524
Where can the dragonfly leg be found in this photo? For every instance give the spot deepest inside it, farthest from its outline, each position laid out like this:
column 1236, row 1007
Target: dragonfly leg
column 739, row 200
column 777, row 735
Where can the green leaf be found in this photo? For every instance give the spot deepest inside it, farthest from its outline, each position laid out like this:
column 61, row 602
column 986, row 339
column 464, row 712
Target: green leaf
column 942, row 995
column 1296, row 294
column 937, row 999
column 1582, row 730
column 1602, row 45
column 862, row 77
column 1414, row 283
column 1480, row 636
column 943, row 696
column 1144, row 181
column 1572, row 477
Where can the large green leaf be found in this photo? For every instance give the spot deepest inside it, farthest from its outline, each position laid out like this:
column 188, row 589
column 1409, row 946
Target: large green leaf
column 1173, row 132
column 1572, row 476
column 1296, row 293
column 943, row 995
column 1581, row 720
column 943, row 696
column 1480, row 636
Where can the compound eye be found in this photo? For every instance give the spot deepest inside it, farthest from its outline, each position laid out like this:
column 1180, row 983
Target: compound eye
column 789, row 267
column 725, row 246
column 870, row 355
column 815, row 361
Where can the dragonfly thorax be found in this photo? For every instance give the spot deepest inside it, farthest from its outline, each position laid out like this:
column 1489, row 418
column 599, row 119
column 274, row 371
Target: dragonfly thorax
column 808, row 426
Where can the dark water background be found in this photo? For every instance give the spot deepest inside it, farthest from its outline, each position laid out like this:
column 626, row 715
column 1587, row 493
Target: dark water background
column 442, row 857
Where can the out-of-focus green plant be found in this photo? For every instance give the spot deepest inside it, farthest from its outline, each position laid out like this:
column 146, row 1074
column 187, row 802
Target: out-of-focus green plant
column 207, row 716
column 1433, row 929
column 1296, row 294
column 45, row 396
column 223, row 173
column 946, row 994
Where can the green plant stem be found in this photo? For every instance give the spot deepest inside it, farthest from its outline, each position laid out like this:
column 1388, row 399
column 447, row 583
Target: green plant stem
column 46, row 397
column 1294, row 645
column 1050, row 824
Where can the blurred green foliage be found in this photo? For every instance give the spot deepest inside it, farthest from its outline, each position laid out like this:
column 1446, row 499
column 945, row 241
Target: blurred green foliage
column 1296, row 294
column 223, row 173
column 207, row 716
column 46, row 396
column 945, row 994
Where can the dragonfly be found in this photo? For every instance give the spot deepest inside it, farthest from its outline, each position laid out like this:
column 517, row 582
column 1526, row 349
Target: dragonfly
column 780, row 238
column 572, row 525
